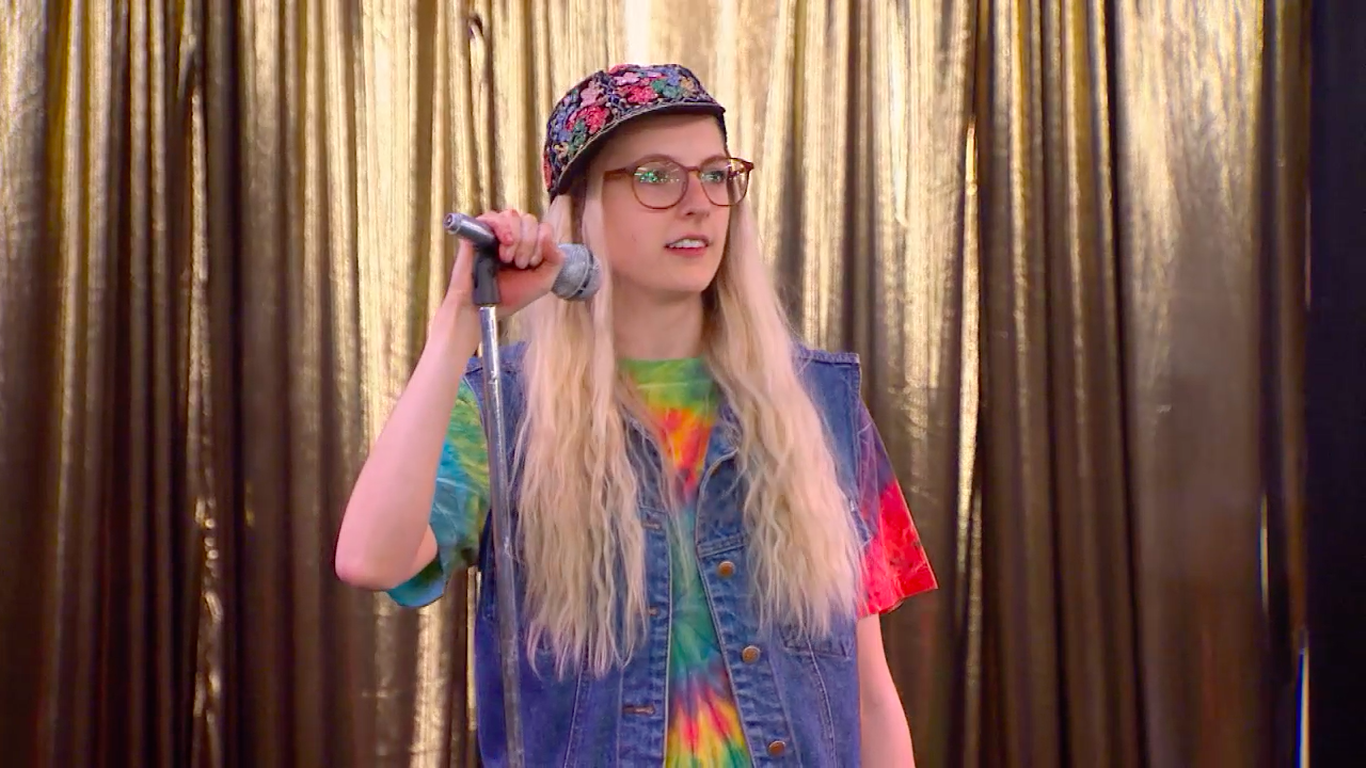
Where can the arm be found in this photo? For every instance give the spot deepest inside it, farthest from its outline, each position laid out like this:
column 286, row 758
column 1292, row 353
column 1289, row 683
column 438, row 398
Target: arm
column 885, row 736
column 385, row 535
column 416, row 506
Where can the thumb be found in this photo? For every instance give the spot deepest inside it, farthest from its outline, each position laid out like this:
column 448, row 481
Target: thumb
column 462, row 271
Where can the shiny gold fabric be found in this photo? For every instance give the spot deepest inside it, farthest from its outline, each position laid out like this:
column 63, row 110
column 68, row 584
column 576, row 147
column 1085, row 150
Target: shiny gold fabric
column 1067, row 238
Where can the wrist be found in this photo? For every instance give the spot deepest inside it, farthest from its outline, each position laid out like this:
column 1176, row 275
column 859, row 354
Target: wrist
column 453, row 334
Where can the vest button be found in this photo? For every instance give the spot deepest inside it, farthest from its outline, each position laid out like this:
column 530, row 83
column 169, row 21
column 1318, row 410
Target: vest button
column 750, row 654
column 726, row 569
column 777, row 748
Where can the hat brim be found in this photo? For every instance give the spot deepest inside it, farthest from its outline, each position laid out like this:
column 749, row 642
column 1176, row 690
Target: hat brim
column 594, row 145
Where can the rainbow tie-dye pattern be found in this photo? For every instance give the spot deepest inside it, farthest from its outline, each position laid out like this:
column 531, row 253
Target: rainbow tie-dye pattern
column 704, row 724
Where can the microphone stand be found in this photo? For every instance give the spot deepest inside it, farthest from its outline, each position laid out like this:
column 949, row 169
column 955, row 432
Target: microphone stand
column 486, row 298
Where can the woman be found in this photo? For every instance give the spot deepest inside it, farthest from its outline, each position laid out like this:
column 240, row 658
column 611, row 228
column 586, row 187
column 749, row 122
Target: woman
column 707, row 525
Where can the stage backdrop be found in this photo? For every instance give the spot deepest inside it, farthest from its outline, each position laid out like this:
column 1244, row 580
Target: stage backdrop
column 1066, row 237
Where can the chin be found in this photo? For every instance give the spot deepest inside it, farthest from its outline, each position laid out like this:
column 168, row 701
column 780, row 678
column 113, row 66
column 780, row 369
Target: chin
column 679, row 288
column 680, row 291
column 694, row 282
column 676, row 282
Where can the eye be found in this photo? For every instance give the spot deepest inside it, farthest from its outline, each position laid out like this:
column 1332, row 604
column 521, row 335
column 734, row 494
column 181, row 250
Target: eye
column 718, row 173
column 655, row 173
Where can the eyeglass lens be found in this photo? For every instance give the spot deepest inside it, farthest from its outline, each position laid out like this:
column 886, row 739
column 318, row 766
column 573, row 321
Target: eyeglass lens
column 662, row 183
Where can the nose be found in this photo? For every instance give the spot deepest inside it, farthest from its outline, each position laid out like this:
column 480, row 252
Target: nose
column 695, row 201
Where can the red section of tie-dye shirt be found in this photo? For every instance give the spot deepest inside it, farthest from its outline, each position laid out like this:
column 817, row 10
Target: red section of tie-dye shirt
column 895, row 564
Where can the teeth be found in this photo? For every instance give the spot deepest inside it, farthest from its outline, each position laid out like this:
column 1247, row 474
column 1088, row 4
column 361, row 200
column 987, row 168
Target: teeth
column 687, row 243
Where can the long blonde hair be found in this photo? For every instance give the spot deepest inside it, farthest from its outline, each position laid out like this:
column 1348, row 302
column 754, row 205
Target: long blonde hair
column 581, row 540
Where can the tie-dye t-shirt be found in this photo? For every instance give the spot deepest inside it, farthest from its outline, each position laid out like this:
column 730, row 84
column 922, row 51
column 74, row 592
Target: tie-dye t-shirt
column 703, row 725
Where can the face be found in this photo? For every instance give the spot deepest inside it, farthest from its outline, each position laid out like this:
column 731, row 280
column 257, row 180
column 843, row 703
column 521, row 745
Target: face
column 671, row 253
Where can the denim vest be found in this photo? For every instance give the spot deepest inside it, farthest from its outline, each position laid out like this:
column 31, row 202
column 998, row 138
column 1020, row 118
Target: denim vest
column 798, row 700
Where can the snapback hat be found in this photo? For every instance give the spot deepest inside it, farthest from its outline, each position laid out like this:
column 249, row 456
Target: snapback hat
column 607, row 99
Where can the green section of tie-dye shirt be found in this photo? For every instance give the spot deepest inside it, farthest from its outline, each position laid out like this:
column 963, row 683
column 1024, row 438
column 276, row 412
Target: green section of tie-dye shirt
column 459, row 506
column 704, row 723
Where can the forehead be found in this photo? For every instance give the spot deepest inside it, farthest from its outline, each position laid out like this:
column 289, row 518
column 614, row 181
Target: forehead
column 686, row 138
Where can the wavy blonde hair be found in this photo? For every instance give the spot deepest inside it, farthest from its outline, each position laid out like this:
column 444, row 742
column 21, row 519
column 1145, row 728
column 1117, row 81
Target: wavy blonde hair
column 580, row 534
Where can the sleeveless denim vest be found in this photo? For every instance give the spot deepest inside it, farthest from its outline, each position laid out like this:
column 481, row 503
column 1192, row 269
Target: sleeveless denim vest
column 798, row 700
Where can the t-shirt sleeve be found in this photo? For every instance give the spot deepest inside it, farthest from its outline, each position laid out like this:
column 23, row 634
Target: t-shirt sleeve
column 895, row 564
column 460, row 503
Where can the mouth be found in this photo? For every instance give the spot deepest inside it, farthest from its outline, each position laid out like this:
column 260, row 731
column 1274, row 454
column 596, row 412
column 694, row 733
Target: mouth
column 691, row 245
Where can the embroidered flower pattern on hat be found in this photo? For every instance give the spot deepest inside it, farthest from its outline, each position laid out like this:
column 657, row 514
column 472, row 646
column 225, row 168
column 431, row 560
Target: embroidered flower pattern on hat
column 608, row 98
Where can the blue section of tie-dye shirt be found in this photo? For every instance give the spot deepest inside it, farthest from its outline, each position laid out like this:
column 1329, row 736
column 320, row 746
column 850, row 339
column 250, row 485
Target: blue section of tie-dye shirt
column 459, row 506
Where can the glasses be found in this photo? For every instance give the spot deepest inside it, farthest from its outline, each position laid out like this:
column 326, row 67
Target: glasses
column 660, row 183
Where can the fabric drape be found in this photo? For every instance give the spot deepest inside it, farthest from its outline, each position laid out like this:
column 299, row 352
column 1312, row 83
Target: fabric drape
column 1067, row 239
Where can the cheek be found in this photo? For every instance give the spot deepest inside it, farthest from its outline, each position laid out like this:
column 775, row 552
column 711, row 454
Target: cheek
column 631, row 231
column 626, row 251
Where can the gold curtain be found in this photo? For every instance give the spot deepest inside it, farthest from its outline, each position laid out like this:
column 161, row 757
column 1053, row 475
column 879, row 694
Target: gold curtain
column 1066, row 237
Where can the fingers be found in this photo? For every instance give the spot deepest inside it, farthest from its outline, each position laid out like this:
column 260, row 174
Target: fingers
column 548, row 250
column 528, row 250
column 507, row 236
column 524, row 242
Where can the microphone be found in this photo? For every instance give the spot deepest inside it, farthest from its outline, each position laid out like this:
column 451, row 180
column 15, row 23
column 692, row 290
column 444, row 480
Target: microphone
column 580, row 274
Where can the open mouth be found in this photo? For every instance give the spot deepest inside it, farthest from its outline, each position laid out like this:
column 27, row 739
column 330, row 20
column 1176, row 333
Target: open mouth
column 688, row 245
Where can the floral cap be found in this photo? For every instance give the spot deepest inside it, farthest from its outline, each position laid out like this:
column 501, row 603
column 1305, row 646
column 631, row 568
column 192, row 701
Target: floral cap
column 608, row 98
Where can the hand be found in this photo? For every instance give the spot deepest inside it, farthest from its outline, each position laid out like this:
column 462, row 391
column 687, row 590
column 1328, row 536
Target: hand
column 531, row 259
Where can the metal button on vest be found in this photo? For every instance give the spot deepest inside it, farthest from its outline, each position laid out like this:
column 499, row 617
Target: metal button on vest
column 777, row 748
column 750, row 654
column 726, row 569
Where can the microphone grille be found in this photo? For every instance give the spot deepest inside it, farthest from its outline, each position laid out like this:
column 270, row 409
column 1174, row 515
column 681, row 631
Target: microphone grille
column 580, row 275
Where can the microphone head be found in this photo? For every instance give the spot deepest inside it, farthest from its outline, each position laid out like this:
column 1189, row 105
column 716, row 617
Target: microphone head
column 580, row 275
column 469, row 228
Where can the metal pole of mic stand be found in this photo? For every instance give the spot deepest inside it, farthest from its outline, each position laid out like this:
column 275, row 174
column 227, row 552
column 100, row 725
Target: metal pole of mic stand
column 486, row 297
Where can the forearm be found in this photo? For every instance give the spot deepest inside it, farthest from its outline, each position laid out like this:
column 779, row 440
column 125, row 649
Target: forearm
column 387, row 515
column 885, row 734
